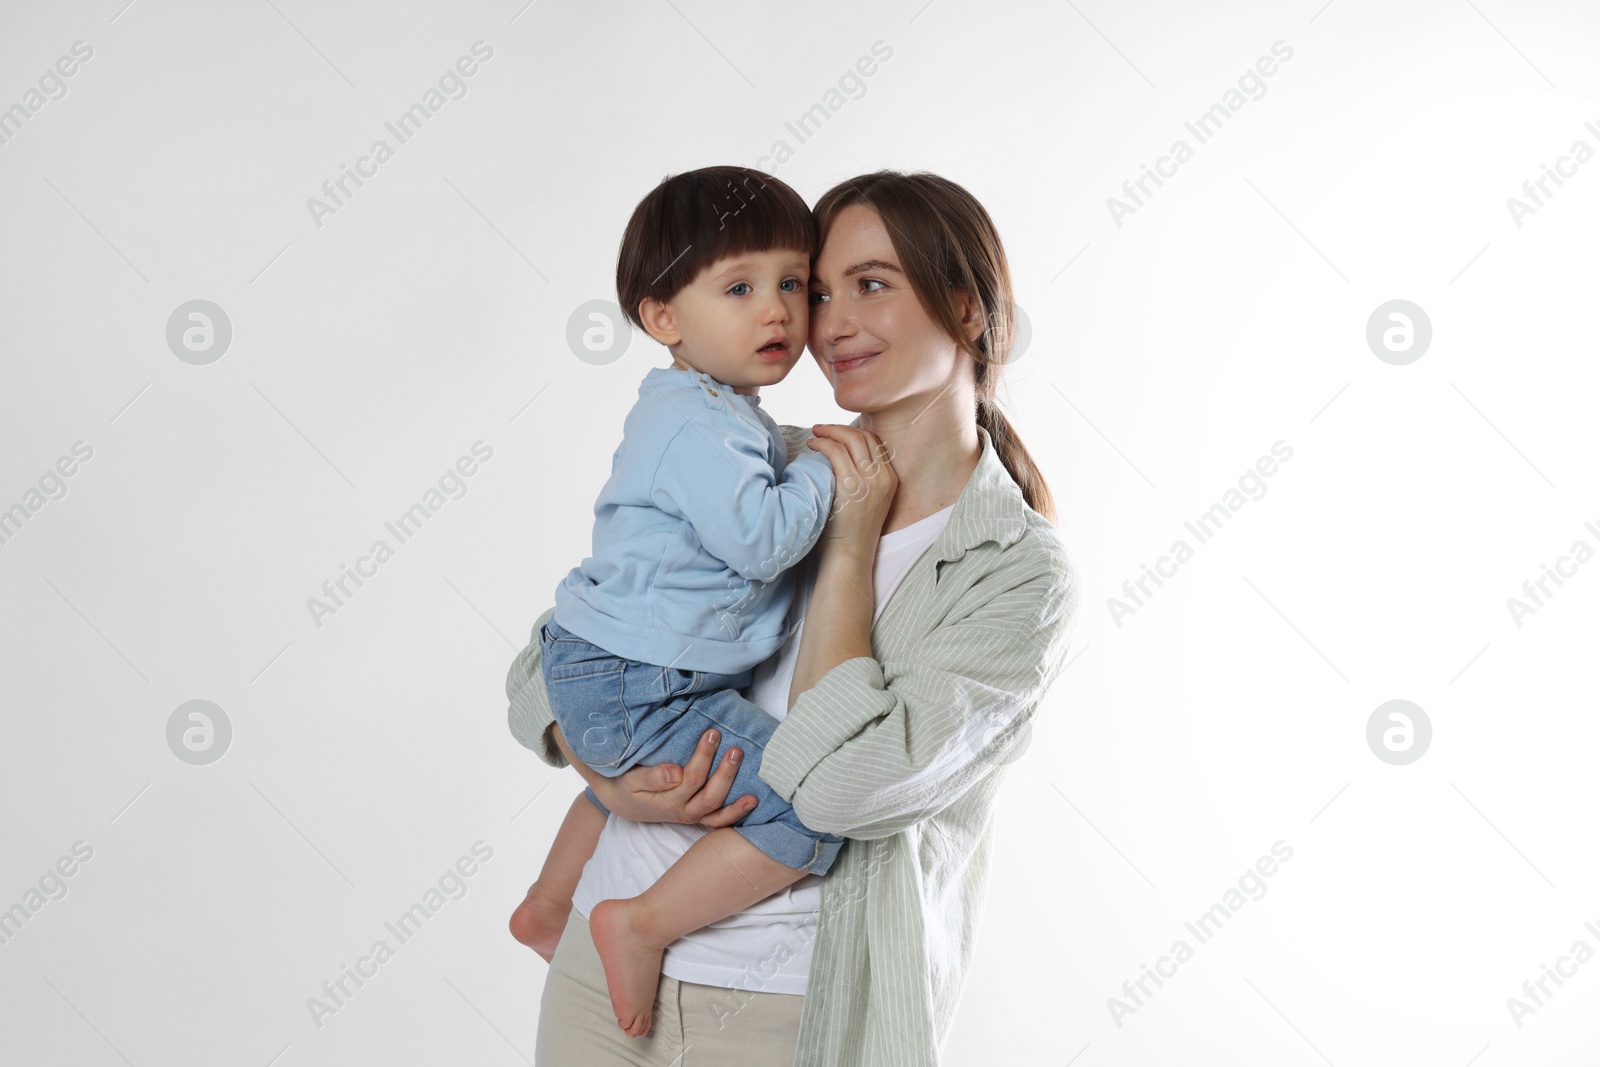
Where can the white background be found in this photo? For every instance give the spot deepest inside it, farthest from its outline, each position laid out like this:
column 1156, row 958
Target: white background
column 1168, row 353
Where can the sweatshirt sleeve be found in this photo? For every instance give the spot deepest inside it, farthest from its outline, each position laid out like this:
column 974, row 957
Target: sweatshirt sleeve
column 715, row 474
column 529, row 714
column 866, row 753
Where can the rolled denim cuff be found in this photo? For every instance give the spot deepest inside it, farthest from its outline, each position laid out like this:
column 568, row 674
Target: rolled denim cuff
column 811, row 853
column 594, row 798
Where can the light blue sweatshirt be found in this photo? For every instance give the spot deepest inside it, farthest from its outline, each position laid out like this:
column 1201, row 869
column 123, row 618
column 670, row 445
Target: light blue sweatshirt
column 696, row 530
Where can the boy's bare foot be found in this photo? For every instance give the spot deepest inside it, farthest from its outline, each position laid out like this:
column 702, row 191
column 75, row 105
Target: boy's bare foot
column 631, row 959
column 538, row 921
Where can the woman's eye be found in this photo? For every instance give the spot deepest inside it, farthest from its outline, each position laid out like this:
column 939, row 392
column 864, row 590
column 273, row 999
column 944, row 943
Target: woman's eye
column 817, row 298
column 740, row 285
column 871, row 281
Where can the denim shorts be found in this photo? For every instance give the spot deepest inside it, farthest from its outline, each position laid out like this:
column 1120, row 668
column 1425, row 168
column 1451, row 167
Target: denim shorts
column 616, row 714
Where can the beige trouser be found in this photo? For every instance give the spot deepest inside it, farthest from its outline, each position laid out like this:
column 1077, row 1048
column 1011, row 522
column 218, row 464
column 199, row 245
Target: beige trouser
column 692, row 1025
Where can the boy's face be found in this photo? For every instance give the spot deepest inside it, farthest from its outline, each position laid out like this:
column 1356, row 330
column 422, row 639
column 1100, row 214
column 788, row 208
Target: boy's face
column 742, row 320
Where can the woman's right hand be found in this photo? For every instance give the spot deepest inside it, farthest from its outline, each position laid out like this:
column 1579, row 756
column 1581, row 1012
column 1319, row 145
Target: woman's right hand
column 865, row 484
column 665, row 792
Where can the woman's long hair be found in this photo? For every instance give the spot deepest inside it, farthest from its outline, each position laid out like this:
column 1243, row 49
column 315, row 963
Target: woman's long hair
column 946, row 241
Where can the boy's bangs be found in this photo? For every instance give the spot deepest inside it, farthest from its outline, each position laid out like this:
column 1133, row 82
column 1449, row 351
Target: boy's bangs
column 758, row 218
column 693, row 220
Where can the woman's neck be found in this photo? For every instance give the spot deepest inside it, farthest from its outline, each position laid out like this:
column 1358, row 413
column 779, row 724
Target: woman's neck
column 934, row 452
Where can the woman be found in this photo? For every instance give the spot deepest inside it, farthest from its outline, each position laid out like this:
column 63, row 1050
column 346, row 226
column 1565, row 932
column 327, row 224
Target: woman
column 936, row 607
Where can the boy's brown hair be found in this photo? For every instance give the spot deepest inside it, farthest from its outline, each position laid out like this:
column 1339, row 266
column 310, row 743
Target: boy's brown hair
column 692, row 220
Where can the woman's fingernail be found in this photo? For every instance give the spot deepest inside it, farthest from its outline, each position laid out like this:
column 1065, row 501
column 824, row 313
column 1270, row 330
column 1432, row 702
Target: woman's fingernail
column 672, row 777
column 733, row 757
column 711, row 736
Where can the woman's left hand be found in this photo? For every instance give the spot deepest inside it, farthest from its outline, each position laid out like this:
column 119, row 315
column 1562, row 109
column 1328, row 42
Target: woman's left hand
column 666, row 792
column 864, row 486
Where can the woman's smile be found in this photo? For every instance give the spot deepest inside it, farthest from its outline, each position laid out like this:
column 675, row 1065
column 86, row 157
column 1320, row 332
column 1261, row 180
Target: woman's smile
column 846, row 361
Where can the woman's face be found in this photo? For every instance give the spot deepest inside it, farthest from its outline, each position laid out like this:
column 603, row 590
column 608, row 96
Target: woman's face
column 869, row 333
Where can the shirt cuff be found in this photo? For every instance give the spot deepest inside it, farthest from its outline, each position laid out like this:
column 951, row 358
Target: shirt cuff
column 848, row 697
column 528, row 713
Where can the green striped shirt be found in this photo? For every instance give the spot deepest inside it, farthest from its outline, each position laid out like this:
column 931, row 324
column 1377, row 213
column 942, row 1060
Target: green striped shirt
column 903, row 752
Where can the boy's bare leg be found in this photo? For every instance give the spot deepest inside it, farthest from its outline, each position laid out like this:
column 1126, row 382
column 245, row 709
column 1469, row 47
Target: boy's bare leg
column 720, row 874
column 542, row 915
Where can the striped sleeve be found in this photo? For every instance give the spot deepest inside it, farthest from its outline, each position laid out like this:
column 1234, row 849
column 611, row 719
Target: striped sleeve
column 866, row 752
column 795, row 438
column 529, row 714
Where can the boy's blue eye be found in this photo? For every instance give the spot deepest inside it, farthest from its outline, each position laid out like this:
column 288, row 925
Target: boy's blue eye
column 795, row 283
column 740, row 285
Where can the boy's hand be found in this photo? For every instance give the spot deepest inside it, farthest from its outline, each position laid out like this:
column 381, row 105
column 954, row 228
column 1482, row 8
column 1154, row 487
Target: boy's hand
column 665, row 792
column 865, row 484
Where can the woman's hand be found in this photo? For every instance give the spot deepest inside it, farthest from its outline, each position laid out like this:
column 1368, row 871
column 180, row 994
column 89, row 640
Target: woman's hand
column 665, row 792
column 864, row 486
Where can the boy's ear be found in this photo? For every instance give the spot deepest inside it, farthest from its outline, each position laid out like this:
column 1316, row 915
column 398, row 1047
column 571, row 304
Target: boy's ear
column 658, row 321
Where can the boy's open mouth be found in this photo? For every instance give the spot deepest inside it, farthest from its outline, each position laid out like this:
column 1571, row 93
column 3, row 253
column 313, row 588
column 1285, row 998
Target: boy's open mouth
column 774, row 350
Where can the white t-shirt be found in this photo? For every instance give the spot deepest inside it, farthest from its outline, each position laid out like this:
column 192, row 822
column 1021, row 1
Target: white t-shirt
column 766, row 947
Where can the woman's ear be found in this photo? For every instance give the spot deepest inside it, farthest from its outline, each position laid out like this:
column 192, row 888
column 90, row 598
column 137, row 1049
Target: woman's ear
column 972, row 320
column 658, row 321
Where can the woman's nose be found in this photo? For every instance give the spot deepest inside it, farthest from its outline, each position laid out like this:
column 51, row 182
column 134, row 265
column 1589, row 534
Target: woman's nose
column 830, row 325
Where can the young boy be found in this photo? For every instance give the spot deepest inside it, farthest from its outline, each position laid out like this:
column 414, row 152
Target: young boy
column 686, row 591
